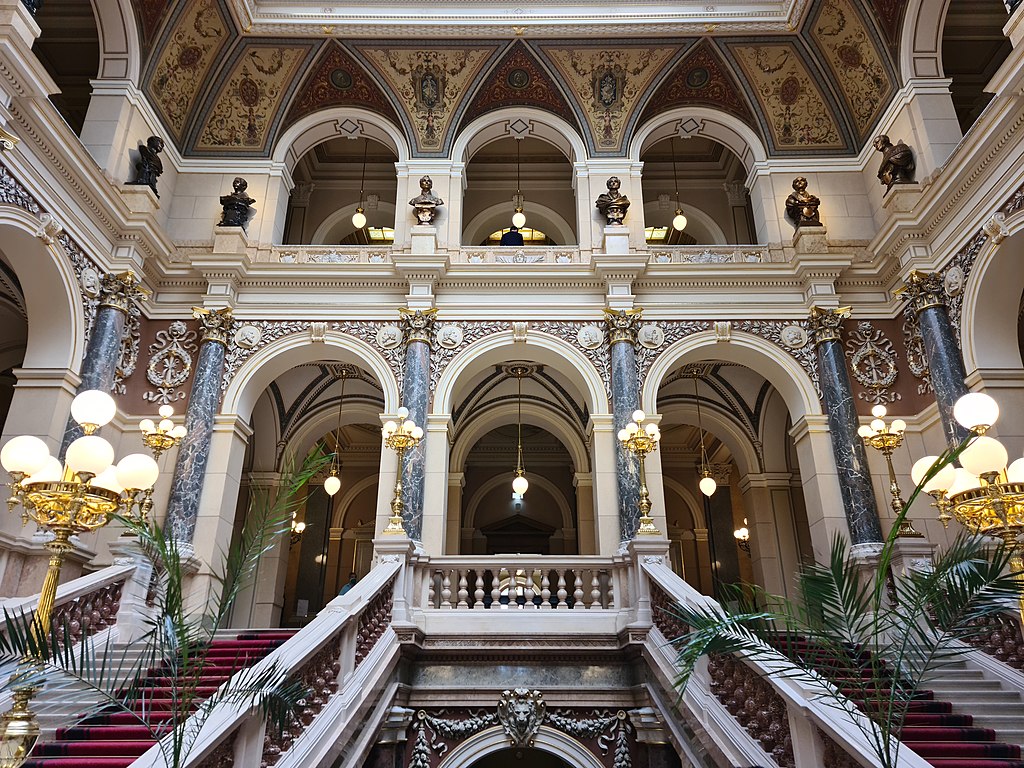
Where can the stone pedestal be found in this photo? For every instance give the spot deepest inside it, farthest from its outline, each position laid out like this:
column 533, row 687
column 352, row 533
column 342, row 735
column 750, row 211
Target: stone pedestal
column 912, row 556
column 424, row 239
column 140, row 199
column 808, row 240
column 902, row 198
column 616, row 240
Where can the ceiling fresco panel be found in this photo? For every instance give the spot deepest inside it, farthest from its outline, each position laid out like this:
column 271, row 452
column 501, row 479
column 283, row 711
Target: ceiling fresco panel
column 856, row 63
column 609, row 84
column 188, row 53
column 150, row 14
column 247, row 106
column 792, row 102
column 890, row 15
column 430, row 83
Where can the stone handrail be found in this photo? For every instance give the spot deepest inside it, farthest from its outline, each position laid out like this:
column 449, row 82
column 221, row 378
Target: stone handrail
column 526, row 254
column 343, row 656
column 324, row 254
column 716, row 254
column 721, row 687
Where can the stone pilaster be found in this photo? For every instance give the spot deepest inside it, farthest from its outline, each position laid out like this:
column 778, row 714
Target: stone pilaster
column 623, row 325
column 851, row 457
column 927, row 296
column 203, row 404
column 418, row 330
column 99, row 367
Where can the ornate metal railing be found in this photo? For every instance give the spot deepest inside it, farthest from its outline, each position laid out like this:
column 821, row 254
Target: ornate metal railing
column 325, row 254
column 716, row 254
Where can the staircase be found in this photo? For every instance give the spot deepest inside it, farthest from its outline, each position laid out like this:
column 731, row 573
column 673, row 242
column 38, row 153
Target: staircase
column 114, row 738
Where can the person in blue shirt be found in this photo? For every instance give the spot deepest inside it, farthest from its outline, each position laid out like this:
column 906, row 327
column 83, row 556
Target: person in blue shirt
column 349, row 584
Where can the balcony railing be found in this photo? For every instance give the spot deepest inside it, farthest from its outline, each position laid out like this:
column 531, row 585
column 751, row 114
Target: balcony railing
column 529, row 254
column 716, row 254
column 325, row 254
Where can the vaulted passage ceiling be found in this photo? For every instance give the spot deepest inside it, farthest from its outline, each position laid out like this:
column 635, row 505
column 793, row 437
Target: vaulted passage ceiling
column 227, row 77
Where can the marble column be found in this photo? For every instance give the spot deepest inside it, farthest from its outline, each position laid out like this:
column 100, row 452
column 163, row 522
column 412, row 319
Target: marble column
column 851, row 457
column 203, row 404
column 622, row 329
column 418, row 330
column 99, row 366
column 927, row 295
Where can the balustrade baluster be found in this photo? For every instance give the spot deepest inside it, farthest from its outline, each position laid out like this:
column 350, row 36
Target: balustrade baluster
column 545, row 589
column 528, row 591
column 561, row 593
column 431, row 590
column 577, row 590
column 611, row 589
column 496, row 587
column 463, row 588
column 595, row 589
column 478, row 595
column 446, row 589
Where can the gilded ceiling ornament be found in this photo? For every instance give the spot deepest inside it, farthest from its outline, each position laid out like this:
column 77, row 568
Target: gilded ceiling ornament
column 873, row 363
column 170, row 363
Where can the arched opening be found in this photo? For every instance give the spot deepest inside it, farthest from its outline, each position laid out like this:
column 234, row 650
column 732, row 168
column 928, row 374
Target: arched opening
column 545, row 181
column 328, row 180
column 69, row 49
column 709, row 179
column 517, row 758
column 973, row 48
column 991, row 304
column 13, row 336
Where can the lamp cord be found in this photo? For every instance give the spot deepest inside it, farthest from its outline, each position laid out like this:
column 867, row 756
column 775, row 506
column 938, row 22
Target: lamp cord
column 675, row 172
column 518, row 144
column 337, row 439
column 700, row 428
column 362, row 173
column 520, row 469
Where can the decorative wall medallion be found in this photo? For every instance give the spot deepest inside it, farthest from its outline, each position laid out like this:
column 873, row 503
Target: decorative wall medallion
column 590, row 336
column 953, row 281
column 873, row 363
column 519, row 257
column 521, row 713
column 518, row 79
column 90, row 280
column 341, row 79
column 170, row 363
column 650, row 336
column 248, row 336
column 389, row 336
column 449, row 336
column 793, row 336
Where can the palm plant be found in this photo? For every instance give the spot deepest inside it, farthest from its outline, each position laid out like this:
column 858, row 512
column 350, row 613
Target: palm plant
column 862, row 641
column 177, row 639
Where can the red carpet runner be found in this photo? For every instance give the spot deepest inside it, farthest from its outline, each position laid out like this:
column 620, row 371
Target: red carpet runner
column 114, row 739
column 931, row 729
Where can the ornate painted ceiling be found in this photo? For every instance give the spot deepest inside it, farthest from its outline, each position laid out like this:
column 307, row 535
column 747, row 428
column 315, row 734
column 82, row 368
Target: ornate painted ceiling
column 223, row 87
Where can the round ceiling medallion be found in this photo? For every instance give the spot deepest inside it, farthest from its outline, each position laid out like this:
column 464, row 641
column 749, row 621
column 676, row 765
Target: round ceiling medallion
column 698, row 77
column 518, row 79
column 341, row 79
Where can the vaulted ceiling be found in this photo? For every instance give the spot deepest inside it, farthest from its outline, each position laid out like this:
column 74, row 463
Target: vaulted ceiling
column 228, row 76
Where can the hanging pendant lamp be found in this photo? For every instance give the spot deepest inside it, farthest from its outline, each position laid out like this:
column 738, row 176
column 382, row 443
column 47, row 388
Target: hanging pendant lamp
column 518, row 218
column 707, row 483
column 333, row 483
column 359, row 218
column 519, row 483
column 679, row 221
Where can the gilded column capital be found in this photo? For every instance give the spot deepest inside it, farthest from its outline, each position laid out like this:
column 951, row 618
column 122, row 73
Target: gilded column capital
column 623, row 325
column 418, row 324
column 923, row 290
column 827, row 324
column 119, row 289
column 214, row 324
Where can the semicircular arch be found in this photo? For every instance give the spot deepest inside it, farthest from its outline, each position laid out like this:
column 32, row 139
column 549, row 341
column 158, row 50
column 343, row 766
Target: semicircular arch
column 705, row 222
column 539, row 481
column 497, row 125
column 324, row 419
column 921, row 39
column 351, row 493
column 542, row 217
column 318, row 127
column 342, row 220
column 720, row 127
column 689, row 499
column 120, row 47
column 716, row 420
column 495, row 739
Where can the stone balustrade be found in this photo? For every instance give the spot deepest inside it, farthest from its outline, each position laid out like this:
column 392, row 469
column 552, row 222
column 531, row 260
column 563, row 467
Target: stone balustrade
column 529, row 254
column 324, row 254
column 717, row 254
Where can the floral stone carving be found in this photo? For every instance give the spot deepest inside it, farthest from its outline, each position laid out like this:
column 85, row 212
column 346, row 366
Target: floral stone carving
column 873, row 363
column 170, row 363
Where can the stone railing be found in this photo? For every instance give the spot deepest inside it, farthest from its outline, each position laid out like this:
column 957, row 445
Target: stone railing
column 716, row 254
column 325, row 254
column 1001, row 639
column 750, row 708
column 343, row 657
column 517, row 582
column 529, row 254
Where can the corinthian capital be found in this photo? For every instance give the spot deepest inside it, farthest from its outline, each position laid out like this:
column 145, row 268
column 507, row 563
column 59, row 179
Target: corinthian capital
column 119, row 290
column 418, row 325
column 923, row 290
column 827, row 324
column 623, row 324
column 214, row 324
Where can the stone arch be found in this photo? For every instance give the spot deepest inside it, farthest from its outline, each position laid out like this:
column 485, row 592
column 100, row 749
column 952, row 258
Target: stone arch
column 318, row 127
column 120, row 47
column 720, row 127
column 763, row 357
column 285, row 353
column 497, row 216
column 537, row 123
column 991, row 303
column 325, row 418
column 350, row 495
column 495, row 739
column 693, row 506
column 56, row 318
column 540, row 347
column 921, row 39
column 473, row 503
column 722, row 425
column 344, row 216
column 705, row 222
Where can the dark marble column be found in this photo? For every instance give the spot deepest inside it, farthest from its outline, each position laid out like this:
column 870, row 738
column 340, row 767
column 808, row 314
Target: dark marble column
column 418, row 329
column 622, row 329
column 851, row 456
column 99, row 366
column 927, row 295
column 203, row 403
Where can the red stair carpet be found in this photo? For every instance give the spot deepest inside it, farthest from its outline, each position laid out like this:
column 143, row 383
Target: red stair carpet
column 944, row 739
column 114, row 739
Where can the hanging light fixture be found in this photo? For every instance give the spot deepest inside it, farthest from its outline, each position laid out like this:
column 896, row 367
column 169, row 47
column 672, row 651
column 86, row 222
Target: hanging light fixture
column 679, row 221
column 519, row 483
column 359, row 218
column 707, row 483
column 333, row 483
column 518, row 218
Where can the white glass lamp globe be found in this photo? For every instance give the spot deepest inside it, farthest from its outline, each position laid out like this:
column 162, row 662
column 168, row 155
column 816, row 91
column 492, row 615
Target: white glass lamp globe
column 964, row 481
column 865, row 431
column 90, row 454
column 25, row 454
column 877, row 425
column 679, row 221
column 651, row 430
column 93, row 407
column 879, row 411
column 402, row 413
column 166, row 425
column 518, row 219
column 520, row 485
column 137, row 471
column 984, row 454
column 179, row 432
column 299, row 527
column 898, row 426
column 166, row 411
column 359, row 219
column 708, row 486
column 332, row 485
column 639, row 416
column 107, row 479
column 147, row 426
column 976, row 409
column 408, row 425
column 944, row 478
column 623, row 435
column 1015, row 472
column 51, row 472
column 417, row 433
column 921, row 467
